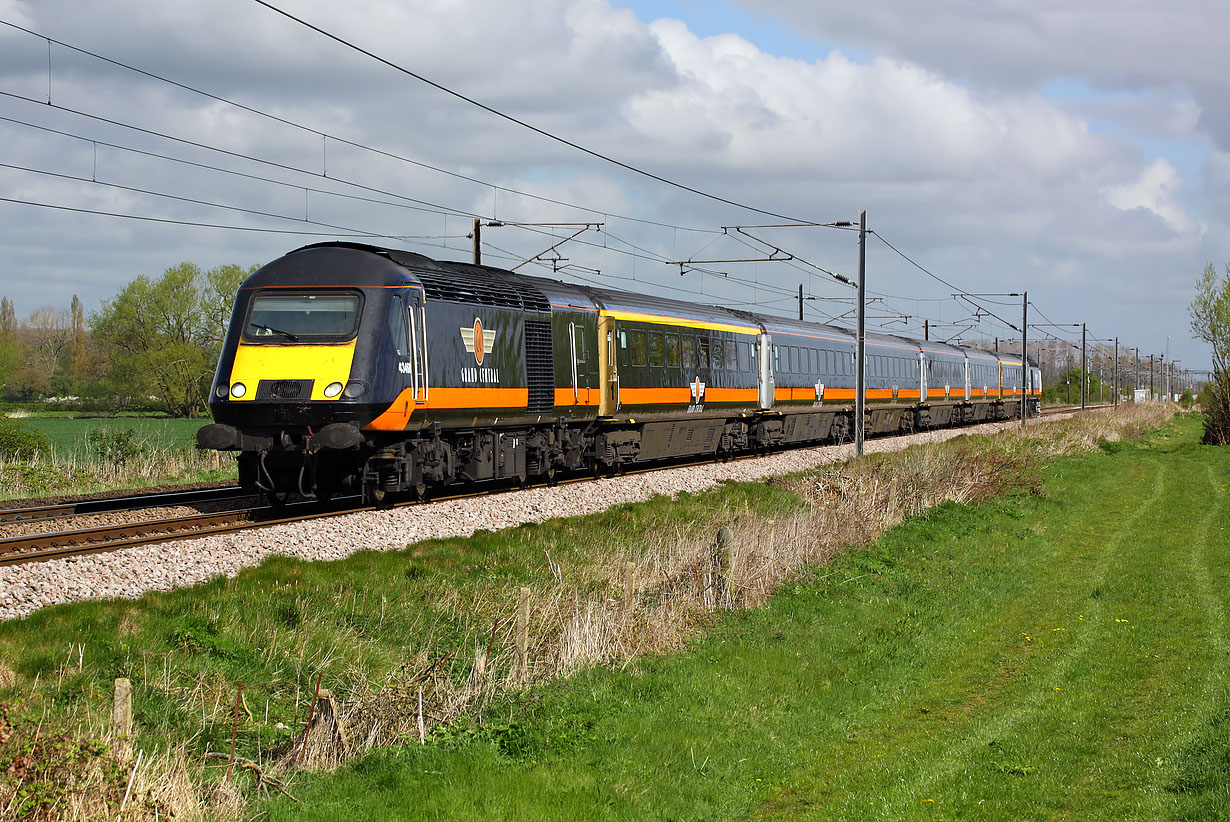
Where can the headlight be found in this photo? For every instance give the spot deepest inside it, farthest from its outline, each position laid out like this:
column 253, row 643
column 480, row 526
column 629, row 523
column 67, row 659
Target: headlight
column 333, row 389
column 238, row 390
column 220, row 392
column 354, row 388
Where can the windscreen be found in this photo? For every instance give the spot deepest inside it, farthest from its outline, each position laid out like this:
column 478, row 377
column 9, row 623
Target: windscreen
column 296, row 317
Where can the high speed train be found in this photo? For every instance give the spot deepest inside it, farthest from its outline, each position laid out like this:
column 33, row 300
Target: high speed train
column 350, row 368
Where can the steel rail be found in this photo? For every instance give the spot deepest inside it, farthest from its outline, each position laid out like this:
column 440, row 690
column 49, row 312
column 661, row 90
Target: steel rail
column 127, row 503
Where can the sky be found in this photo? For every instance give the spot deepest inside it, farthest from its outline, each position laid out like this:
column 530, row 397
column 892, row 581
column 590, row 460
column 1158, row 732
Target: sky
column 1075, row 149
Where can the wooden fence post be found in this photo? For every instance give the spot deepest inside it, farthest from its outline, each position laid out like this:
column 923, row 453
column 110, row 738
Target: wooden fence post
column 725, row 562
column 629, row 589
column 121, row 714
column 523, row 634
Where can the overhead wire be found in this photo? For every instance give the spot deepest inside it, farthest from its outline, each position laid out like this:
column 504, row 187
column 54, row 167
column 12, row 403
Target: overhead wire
column 329, row 136
column 542, row 132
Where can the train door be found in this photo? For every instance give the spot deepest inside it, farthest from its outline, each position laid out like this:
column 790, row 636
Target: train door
column 418, row 347
column 764, row 356
column 969, row 389
column 608, row 374
column 580, row 371
column 922, row 379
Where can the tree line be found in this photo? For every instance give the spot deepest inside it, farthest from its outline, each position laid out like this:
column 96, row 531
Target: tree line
column 152, row 347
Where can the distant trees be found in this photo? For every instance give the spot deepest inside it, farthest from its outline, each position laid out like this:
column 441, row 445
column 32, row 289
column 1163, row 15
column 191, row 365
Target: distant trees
column 162, row 337
column 154, row 345
column 1210, row 314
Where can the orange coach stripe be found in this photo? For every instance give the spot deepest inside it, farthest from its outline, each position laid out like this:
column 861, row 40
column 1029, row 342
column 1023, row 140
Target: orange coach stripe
column 655, row 396
column 732, row 394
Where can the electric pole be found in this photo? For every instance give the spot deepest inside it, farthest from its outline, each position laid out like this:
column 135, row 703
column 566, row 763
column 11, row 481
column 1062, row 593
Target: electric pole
column 1084, row 381
column 860, row 378
column 1026, row 377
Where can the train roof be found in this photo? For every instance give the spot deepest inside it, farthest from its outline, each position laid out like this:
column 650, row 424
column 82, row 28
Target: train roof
column 791, row 326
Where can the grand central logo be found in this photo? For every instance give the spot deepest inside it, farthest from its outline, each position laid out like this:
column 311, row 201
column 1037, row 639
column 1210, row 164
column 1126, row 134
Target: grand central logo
column 478, row 341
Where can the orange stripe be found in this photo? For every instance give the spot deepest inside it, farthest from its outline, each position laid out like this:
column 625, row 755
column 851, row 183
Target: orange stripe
column 565, row 398
column 478, row 398
column 397, row 415
column 683, row 396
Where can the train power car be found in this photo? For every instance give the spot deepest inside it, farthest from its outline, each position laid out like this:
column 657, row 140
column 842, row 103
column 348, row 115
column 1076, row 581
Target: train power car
column 354, row 369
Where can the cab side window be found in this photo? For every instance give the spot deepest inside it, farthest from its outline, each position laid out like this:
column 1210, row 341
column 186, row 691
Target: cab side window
column 399, row 326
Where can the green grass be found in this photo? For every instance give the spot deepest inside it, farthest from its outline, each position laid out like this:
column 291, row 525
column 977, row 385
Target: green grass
column 1052, row 657
column 69, row 436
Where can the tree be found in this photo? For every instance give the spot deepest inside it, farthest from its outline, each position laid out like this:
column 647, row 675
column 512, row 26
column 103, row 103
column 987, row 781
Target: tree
column 1210, row 313
column 163, row 336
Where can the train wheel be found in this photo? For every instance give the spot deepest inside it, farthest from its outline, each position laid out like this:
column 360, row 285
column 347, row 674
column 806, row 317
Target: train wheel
column 420, row 492
column 277, row 499
column 551, row 478
column 374, row 495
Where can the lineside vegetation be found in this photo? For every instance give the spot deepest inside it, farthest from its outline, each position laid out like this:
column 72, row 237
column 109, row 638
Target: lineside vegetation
column 451, row 642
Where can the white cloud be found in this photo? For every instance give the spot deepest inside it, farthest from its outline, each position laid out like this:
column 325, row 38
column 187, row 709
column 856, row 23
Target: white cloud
column 1155, row 192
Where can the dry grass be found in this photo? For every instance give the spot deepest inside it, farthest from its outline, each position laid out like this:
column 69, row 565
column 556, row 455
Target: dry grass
column 45, row 475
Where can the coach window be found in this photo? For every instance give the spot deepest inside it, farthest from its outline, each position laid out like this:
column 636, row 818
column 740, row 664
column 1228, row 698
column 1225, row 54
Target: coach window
column 732, row 354
column 688, row 348
column 716, row 353
column 703, row 351
column 655, row 349
column 672, row 350
column 636, row 345
column 580, row 338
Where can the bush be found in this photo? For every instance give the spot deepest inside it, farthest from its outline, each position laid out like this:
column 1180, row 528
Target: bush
column 18, row 440
column 1217, row 410
column 1186, row 399
column 115, row 447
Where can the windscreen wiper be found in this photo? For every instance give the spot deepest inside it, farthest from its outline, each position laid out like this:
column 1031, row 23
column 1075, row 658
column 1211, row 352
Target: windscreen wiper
column 271, row 330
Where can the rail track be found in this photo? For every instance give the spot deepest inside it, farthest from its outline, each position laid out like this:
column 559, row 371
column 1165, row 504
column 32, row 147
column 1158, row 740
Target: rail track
column 100, row 539
column 63, row 510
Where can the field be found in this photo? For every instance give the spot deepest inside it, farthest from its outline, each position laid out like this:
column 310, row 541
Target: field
column 88, row 454
column 69, row 436
column 1056, row 653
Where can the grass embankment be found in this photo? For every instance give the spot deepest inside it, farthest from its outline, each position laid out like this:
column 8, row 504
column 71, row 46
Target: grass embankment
column 87, row 454
column 1055, row 656
column 836, row 698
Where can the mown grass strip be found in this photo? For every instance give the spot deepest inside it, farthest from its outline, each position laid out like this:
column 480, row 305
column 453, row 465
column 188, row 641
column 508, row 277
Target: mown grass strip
column 1037, row 657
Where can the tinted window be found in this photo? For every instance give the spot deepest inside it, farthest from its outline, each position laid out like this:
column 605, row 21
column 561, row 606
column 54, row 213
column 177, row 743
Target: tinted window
column 689, row 353
column 672, row 350
column 580, row 337
column 290, row 317
column 399, row 326
column 732, row 356
column 636, row 345
column 718, row 354
column 703, row 353
column 655, row 349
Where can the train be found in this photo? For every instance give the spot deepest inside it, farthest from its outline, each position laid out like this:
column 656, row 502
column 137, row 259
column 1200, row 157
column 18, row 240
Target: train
column 353, row 369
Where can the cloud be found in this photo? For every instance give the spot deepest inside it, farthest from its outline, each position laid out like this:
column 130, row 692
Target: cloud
column 1154, row 191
